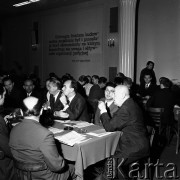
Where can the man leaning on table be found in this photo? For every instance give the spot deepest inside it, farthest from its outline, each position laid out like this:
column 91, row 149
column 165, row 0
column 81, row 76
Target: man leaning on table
column 134, row 144
column 32, row 143
column 75, row 108
column 109, row 102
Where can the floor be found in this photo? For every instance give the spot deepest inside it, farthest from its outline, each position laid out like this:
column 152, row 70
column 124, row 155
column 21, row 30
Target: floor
column 165, row 164
column 170, row 163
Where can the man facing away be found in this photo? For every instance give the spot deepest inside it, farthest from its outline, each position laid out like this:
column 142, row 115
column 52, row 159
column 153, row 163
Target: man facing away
column 32, row 143
column 134, row 144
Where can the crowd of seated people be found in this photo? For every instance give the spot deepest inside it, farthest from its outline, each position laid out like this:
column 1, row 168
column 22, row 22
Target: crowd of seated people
column 94, row 99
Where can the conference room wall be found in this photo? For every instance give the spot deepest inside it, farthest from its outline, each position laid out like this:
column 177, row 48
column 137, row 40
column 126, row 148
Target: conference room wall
column 159, row 37
column 82, row 19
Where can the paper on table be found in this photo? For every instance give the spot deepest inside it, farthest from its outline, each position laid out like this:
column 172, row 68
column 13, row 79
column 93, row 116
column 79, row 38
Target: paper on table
column 55, row 130
column 14, row 124
column 71, row 138
column 83, row 124
column 61, row 121
column 99, row 135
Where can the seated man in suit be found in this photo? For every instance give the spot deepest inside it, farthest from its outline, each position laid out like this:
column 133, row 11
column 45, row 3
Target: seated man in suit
column 163, row 98
column 147, row 88
column 55, row 96
column 30, row 91
column 134, row 143
column 13, row 96
column 109, row 101
column 76, row 108
column 7, row 171
column 32, row 143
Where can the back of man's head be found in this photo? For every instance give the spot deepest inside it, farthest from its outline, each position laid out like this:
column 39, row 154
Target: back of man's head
column 165, row 82
column 31, row 106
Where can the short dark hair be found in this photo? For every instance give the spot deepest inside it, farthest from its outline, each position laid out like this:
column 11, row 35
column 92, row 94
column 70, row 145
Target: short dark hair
column 127, row 81
column 81, row 78
column 74, row 84
column 102, row 80
column 148, row 74
column 165, row 82
column 8, row 78
column 46, row 119
column 150, row 62
column 95, row 76
column 118, row 80
column 111, row 84
column 56, row 82
column 29, row 79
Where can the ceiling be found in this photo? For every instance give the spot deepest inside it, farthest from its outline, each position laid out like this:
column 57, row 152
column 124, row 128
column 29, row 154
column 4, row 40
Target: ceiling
column 7, row 9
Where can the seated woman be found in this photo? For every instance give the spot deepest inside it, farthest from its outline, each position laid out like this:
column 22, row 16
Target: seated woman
column 7, row 171
column 30, row 142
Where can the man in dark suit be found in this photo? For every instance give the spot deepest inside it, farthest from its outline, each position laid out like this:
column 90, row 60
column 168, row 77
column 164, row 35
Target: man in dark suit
column 30, row 142
column 147, row 89
column 134, row 144
column 109, row 101
column 7, row 171
column 55, row 98
column 29, row 90
column 75, row 108
column 13, row 96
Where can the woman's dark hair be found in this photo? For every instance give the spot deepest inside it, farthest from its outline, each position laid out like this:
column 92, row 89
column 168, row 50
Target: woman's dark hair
column 35, row 111
column 46, row 119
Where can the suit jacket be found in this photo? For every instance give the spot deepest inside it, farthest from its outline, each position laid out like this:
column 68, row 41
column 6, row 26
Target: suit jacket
column 33, row 143
column 13, row 100
column 112, row 109
column 128, row 119
column 77, row 109
column 147, row 91
column 7, row 171
column 34, row 93
column 57, row 105
column 163, row 98
column 95, row 94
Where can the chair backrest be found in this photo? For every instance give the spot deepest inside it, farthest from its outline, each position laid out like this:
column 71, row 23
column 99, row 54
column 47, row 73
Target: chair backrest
column 156, row 115
column 26, row 168
column 1, row 155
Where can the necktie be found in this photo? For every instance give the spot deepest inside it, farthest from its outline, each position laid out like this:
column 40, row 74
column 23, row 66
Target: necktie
column 108, row 110
column 52, row 101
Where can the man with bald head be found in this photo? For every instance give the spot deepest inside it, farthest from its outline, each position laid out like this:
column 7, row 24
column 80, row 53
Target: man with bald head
column 134, row 144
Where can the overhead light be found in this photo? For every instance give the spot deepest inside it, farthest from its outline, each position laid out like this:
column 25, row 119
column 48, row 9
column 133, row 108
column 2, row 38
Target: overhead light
column 25, row 3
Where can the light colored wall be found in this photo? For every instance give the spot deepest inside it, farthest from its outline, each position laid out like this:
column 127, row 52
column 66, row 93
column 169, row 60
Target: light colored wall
column 159, row 37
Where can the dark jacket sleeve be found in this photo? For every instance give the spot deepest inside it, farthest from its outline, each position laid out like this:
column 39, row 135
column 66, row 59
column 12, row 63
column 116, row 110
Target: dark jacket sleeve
column 52, row 158
column 76, row 111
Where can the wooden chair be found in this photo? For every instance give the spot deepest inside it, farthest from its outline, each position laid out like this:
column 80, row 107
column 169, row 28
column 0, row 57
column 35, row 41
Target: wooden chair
column 155, row 115
column 177, row 127
column 25, row 169
column 1, row 155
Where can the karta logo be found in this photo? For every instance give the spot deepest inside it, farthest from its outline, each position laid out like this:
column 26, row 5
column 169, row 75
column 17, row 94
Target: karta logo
column 113, row 170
